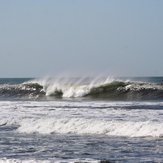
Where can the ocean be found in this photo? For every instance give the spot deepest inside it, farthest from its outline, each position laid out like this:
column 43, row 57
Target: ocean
column 97, row 120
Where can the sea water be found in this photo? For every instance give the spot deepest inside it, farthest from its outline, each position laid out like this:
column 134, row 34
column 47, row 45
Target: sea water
column 81, row 120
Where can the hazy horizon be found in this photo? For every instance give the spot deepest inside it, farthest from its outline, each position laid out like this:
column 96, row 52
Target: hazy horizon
column 81, row 38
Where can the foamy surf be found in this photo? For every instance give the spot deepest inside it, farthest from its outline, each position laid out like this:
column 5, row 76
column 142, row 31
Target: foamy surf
column 129, row 119
column 5, row 160
column 92, row 126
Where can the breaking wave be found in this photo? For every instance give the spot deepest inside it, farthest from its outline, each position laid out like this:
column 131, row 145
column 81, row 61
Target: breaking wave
column 72, row 88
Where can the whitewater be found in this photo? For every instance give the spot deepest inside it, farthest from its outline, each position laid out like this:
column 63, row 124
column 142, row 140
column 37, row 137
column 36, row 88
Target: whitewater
column 81, row 120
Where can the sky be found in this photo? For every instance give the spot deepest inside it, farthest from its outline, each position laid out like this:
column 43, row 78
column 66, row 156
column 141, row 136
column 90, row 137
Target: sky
column 51, row 37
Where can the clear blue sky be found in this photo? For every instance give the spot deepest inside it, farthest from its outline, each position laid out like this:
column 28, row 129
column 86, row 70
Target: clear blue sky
column 118, row 37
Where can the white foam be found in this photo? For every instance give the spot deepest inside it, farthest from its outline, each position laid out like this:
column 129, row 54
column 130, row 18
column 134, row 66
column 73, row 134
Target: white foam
column 138, row 86
column 71, row 87
column 105, row 118
column 92, row 126
column 5, row 160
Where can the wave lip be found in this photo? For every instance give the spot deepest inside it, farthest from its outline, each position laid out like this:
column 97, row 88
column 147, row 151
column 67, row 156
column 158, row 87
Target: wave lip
column 92, row 126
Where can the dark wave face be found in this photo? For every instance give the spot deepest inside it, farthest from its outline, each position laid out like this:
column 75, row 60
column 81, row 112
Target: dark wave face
column 128, row 91
column 95, row 89
column 23, row 91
